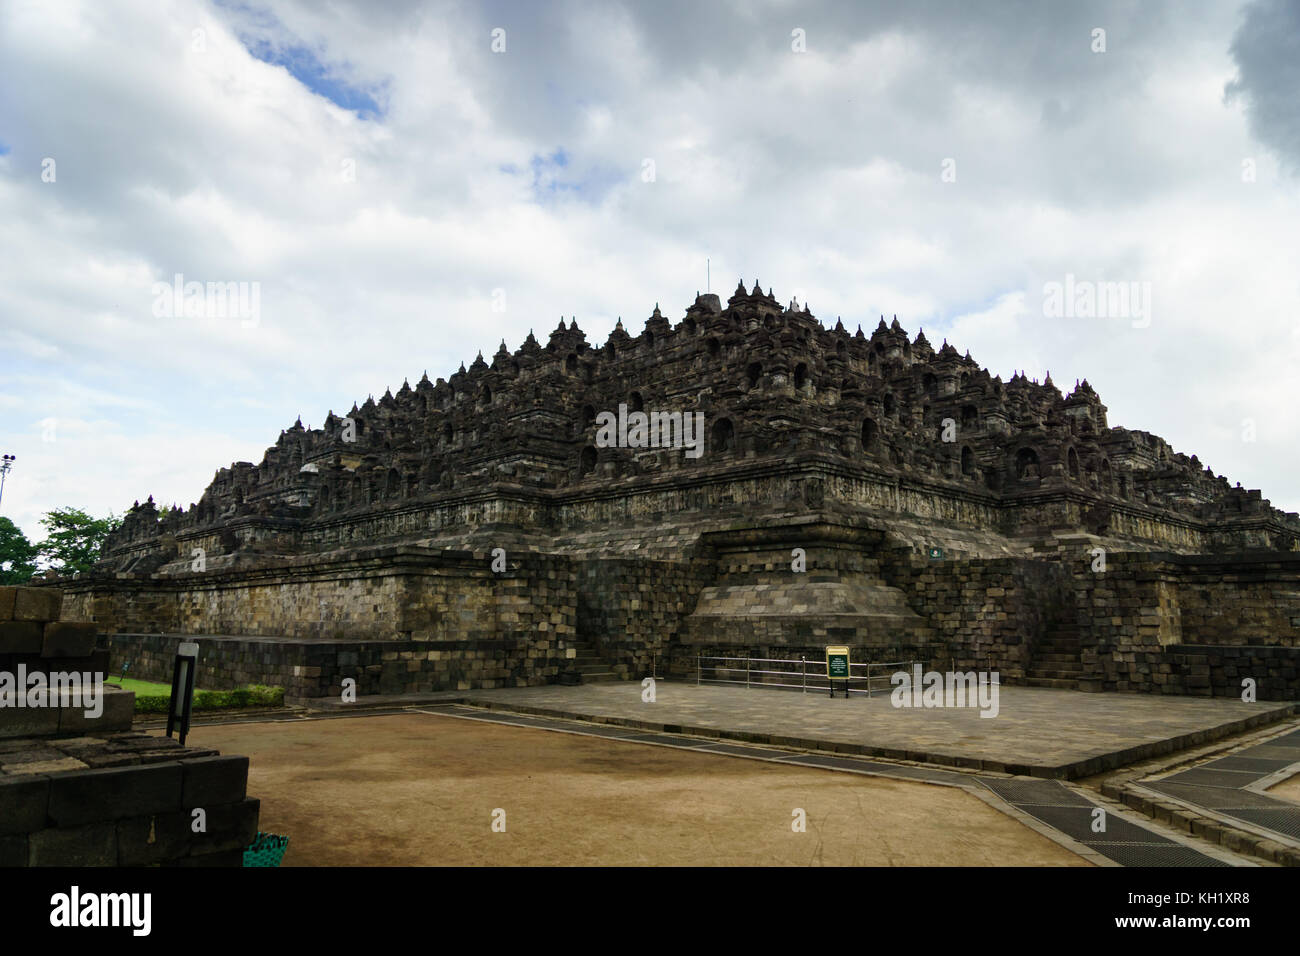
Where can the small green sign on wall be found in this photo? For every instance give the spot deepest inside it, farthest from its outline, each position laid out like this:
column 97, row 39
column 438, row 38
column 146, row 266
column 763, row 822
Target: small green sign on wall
column 936, row 554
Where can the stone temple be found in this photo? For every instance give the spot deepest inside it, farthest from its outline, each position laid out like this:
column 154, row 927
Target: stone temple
column 476, row 532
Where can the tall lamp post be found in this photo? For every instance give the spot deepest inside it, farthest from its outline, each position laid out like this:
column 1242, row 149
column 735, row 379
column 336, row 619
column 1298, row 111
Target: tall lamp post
column 6, row 462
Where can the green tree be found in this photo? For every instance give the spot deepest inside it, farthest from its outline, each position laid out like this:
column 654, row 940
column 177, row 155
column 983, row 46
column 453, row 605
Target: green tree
column 73, row 539
column 17, row 554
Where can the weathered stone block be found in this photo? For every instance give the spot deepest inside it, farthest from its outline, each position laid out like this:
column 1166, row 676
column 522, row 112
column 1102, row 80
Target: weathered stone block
column 13, row 850
column 146, row 840
column 117, row 714
column 28, row 722
column 20, row 637
column 210, row 781
column 37, row 604
column 68, row 639
column 93, row 795
column 93, row 845
column 23, row 802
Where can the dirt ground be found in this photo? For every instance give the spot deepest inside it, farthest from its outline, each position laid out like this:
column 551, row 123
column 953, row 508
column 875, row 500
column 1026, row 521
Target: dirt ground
column 421, row 790
column 1288, row 789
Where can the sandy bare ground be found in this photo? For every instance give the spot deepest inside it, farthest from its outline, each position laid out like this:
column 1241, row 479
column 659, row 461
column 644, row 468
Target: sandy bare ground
column 1288, row 789
column 421, row 790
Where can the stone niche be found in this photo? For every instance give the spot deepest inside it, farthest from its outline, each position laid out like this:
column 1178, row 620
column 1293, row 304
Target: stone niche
column 759, row 599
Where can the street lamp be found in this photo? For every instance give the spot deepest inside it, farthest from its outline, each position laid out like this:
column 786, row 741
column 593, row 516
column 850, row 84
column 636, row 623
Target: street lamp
column 6, row 462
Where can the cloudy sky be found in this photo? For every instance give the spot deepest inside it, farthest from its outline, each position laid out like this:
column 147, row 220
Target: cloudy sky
column 391, row 175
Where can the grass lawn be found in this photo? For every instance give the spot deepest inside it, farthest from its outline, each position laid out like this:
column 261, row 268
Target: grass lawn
column 142, row 688
column 152, row 698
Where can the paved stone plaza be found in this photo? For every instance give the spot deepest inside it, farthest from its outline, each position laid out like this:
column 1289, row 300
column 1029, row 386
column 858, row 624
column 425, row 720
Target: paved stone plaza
column 1038, row 731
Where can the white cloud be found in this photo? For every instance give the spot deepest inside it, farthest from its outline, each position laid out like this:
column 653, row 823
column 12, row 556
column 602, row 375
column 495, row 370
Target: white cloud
column 816, row 171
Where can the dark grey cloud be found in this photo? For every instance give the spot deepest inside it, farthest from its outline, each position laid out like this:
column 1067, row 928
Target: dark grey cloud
column 1266, row 49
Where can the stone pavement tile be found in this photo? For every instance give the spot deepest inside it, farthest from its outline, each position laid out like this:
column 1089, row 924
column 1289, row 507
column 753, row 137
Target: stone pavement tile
column 1037, row 730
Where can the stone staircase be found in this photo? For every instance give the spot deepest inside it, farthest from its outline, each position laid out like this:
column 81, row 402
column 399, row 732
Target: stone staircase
column 1056, row 660
column 590, row 664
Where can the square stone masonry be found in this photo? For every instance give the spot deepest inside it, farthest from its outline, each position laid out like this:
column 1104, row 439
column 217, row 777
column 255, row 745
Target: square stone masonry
column 20, row 637
column 94, row 845
column 13, row 850
column 68, row 639
column 210, row 781
column 37, row 604
column 92, row 795
column 23, row 801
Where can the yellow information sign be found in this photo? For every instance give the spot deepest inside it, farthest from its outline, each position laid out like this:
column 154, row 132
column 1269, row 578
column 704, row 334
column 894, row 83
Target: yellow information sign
column 837, row 662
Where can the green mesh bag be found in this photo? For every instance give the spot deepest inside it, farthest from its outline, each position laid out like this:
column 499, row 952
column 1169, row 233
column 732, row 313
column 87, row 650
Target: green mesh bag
column 266, row 850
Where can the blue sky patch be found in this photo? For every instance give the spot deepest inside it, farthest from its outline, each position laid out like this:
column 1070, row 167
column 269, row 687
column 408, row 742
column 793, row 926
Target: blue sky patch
column 272, row 43
column 306, row 67
column 553, row 177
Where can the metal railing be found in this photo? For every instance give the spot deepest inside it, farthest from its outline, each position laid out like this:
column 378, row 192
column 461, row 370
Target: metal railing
column 801, row 674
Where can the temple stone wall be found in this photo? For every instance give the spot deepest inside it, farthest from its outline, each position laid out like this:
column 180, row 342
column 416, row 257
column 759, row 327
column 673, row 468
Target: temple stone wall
column 633, row 608
column 1191, row 624
column 989, row 613
column 733, row 594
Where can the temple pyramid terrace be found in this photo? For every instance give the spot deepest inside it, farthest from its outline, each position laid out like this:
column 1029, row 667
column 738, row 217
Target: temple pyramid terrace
column 490, row 530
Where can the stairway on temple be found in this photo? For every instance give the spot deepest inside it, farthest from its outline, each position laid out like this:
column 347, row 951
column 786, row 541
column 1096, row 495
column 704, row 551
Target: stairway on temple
column 1056, row 660
column 590, row 664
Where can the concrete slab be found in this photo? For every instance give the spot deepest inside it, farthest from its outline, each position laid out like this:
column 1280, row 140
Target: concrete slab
column 1037, row 731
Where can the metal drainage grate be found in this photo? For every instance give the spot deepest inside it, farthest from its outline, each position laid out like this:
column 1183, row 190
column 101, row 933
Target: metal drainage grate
column 869, row 766
column 1048, row 793
column 1248, row 762
column 514, row 719
column 735, row 750
column 1285, row 820
column 1280, row 751
column 832, row 763
column 1229, row 779
column 1213, row 798
column 684, row 742
column 1077, row 823
column 603, row 730
column 1155, row 854
column 919, row 773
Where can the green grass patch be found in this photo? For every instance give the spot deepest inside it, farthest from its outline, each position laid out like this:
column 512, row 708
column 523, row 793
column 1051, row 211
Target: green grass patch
column 141, row 688
column 254, row 695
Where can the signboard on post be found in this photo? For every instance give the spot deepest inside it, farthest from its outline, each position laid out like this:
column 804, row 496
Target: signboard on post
column 182, row 699
column 837, row 666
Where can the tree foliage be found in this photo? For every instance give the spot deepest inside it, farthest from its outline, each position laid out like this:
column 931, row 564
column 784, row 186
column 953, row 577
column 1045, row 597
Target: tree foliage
column 73, row 539
column 17, row 554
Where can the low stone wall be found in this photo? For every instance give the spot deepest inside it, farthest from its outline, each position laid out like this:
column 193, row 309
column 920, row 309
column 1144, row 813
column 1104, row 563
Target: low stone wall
column 371, row 594
column 77, row 786
column 1152, row 623
column 1199, row 670
column 315, row 669
column 1209, row 671
column 126, row 800
column 1243, row 599
column 397, row 620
